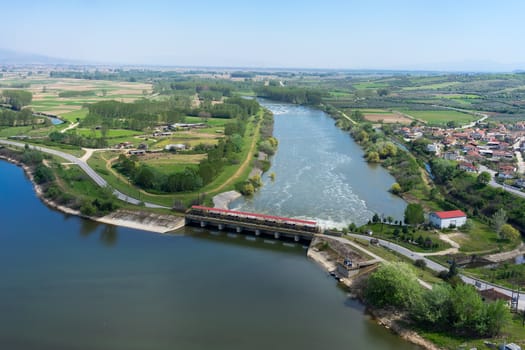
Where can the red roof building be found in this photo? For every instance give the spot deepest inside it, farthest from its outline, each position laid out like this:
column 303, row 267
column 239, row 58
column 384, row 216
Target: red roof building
column 446, row 219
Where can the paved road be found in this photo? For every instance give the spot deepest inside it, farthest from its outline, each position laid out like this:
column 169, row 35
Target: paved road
column 504, row 187
column 87, row 169
column 366, row 251
column 432, row 265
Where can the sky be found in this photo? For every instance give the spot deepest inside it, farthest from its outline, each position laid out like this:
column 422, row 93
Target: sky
column 362, row 34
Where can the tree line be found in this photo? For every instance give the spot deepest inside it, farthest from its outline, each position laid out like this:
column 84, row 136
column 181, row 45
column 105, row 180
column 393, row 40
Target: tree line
column 17, row 99
column 292, row 94
column 452, row 308
column 472, row 193
column 190, row 178
column 18, row 118
column 143, row 113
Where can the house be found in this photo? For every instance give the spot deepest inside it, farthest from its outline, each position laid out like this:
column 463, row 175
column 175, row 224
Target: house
column 468, row 167
column 493, row 295
column 450, row 155
column 433, row 148
column 175, row 147
column 137, row 152
column 446, row 219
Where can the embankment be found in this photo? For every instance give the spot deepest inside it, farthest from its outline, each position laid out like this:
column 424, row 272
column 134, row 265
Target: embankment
column 146, row 221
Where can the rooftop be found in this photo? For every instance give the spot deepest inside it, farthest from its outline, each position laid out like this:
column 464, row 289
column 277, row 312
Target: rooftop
column 450, row 214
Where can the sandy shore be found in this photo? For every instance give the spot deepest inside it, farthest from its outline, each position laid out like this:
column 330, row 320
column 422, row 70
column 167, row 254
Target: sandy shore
column 145, row 221
column 223, row 200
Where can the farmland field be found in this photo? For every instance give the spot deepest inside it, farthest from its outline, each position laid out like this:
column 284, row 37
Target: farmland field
column 46, row 92
column 441, row 117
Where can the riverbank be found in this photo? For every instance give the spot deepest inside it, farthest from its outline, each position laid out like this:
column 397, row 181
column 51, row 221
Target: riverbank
column 388, row 318
column 223, row 200
column 140, row 220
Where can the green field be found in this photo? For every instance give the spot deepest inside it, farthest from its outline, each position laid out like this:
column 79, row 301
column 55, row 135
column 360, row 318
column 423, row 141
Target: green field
column 431, row 86
column 441, row 117
column 72, row 116
column 111, row 133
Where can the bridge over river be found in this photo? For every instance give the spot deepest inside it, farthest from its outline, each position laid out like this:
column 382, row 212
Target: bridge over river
column 251, row 223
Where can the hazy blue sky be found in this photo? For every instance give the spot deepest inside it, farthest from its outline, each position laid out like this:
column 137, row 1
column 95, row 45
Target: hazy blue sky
column 271, row 33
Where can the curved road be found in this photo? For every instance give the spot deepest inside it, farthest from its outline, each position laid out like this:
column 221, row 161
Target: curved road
column 432, row 265
column 493, row 183
column 87, row 169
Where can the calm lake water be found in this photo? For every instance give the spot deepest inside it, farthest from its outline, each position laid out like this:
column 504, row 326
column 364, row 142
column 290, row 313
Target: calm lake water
column 68, row 283
column 321, row 174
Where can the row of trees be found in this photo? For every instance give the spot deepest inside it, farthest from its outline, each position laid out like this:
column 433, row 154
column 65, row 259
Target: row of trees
column 463, row 190
column 379, row 149
column 18, row 118
column 290, row 94
column 455, row 309
column 144, row 113
column 71, row 138
column 191, row 178
column 17, row 99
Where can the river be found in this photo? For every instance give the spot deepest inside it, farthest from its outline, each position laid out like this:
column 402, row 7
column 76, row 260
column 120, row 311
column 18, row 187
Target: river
column 321, row 173
column 69, row 283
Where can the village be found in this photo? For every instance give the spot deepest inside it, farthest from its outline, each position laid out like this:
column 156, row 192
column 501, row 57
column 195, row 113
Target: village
column 493, row 147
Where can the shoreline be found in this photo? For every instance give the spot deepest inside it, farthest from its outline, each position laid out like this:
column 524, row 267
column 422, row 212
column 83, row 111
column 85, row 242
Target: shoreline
column 224, row 199
column 150, row 222
column 386, row 318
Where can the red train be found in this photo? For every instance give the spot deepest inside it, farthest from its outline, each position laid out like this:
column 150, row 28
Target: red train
column 270, row 220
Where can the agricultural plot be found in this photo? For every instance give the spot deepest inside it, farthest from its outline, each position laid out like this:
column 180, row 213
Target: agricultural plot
column 169, row 163
column 382, row 115
column 62, row 96
column 441, row 117
column 433, row 86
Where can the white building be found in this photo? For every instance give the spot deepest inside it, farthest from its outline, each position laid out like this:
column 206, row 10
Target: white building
column 446, row 219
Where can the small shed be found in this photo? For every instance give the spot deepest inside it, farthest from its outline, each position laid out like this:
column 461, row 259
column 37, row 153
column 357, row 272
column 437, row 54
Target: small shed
column 493, row 295
column 446, row 219
column 175, row 147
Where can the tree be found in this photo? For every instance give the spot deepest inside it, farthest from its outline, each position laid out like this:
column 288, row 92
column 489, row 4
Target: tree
column 414, row 214
column 467, row 309
column 393, row 284
column 509, row 232
column 434, row 308
column 43, row 174
column 496, row 316
column 498, row 220
column 357, row 115
column 372, row 157
column 17, row 98
column 248, row 189
column 396, row 188
column 144, row 177
column 452, row 271
column 362, row 137
column 383, row 92
column 484, row 178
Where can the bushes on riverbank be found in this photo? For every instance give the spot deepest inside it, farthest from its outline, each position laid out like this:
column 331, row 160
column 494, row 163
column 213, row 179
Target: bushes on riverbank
column 379, row 149
column 457, row 310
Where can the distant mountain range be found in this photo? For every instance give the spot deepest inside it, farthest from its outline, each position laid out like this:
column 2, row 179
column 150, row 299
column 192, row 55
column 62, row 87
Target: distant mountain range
column 15, row 57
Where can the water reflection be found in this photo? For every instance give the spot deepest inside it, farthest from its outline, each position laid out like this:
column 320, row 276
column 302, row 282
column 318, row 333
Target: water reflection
column 108, row 233
column 87, row 227
column 108, row 236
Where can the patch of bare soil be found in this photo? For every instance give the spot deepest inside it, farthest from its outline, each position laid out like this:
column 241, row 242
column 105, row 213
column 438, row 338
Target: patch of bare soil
column 387, row 118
